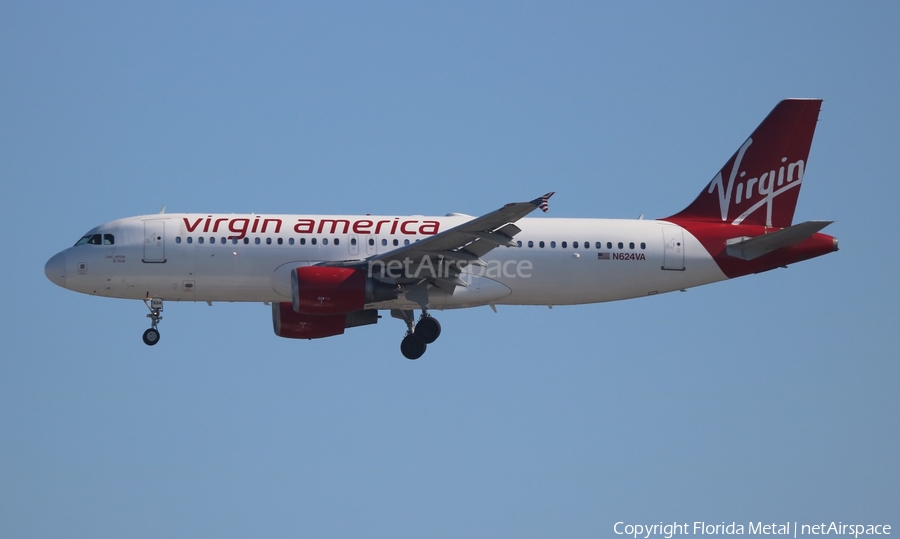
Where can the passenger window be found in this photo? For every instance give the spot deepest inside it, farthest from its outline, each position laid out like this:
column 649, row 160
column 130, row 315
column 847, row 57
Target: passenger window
column 553, row 245
column 108, row 239
column 372, row 242
column 177, row 239
column 643, row 245
column 246, row 241
column 383, row 242
column 337, row 241
column 234, row 241
column 609, row 245
column 519, row 243
column 352, row 241
column 575, row 245
column 313, row 241
column 621, row 245
column 302, row 241
column 190, row 239
column 405, row 242
column 324, row 241
column 200, row 240
column 563, row 245
column 256, row 241
column 631, row 245
column 290, row 241
column 530, row 243
column 541, row 244
column 268, row 241
column 281, row 241
column 396, row 243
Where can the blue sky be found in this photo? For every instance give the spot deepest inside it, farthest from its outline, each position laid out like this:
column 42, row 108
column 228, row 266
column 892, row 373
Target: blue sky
column 768, row 398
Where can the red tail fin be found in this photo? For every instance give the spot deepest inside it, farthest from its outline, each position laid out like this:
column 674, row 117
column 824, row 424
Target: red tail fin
column 761, row 182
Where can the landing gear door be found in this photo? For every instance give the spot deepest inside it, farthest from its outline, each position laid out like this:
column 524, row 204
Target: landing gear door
column 673, row 250
column 155, row 242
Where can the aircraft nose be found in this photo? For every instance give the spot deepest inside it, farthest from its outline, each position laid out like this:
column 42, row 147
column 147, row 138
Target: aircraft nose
column 55, row 269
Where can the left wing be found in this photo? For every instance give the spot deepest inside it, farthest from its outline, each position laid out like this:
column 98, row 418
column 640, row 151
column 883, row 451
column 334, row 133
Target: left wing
column 439, row 259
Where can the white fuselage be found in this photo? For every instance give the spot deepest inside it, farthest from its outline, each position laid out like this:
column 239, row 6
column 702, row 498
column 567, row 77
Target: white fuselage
column 208, row 257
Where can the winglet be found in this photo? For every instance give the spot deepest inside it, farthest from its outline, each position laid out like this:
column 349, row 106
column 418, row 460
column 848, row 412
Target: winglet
column 542, row 201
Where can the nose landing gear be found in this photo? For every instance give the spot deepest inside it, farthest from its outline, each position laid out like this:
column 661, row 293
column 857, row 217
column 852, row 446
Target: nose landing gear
column 151, row 336
column 418, row 336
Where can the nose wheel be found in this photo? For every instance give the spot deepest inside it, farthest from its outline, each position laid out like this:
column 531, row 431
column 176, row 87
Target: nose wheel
column 151, row 336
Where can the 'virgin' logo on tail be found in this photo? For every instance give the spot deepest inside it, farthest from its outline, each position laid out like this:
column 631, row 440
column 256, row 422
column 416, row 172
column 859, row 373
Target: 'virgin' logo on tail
column 768, row 185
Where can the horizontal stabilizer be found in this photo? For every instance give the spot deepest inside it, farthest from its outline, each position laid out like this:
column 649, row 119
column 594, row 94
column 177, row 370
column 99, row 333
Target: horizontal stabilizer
column 749, row 248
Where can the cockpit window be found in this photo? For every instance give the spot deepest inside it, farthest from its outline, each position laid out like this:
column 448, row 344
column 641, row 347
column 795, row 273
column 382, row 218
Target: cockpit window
column 97, row 239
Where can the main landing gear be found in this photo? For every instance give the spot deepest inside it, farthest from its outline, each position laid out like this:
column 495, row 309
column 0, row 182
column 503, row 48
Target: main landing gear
column 418, row 336
column 151, row 336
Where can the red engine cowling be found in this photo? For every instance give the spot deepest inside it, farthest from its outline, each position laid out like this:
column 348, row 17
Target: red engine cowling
column 329, row 290
column 324, row 290
column 293, row 325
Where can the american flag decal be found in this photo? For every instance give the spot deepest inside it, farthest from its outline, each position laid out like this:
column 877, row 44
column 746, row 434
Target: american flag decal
column 541, row 202
column 602, row 256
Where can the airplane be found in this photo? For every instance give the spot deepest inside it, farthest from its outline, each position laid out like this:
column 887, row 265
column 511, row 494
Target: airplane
column 323, row 274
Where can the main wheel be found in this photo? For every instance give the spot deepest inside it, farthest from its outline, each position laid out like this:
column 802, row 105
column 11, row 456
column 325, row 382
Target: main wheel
column 428, row 330
column 151, row 337
column 411, row 347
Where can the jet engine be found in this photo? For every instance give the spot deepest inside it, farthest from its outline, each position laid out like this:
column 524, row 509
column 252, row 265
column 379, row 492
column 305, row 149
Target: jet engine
column 294, row 325
column 330, row 290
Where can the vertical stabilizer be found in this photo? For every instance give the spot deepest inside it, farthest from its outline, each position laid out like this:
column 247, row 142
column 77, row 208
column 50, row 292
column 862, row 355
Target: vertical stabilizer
column 760, row 184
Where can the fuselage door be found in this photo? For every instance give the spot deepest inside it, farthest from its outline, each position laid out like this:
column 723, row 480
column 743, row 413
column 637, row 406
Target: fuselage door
column 673, row 252
column 154, row 241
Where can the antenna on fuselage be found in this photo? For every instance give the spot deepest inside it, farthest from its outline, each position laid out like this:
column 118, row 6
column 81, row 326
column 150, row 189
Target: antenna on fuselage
column 163, row 209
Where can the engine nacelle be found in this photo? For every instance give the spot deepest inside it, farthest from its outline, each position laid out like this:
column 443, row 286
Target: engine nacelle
column 329, row 290
column 293, row 325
